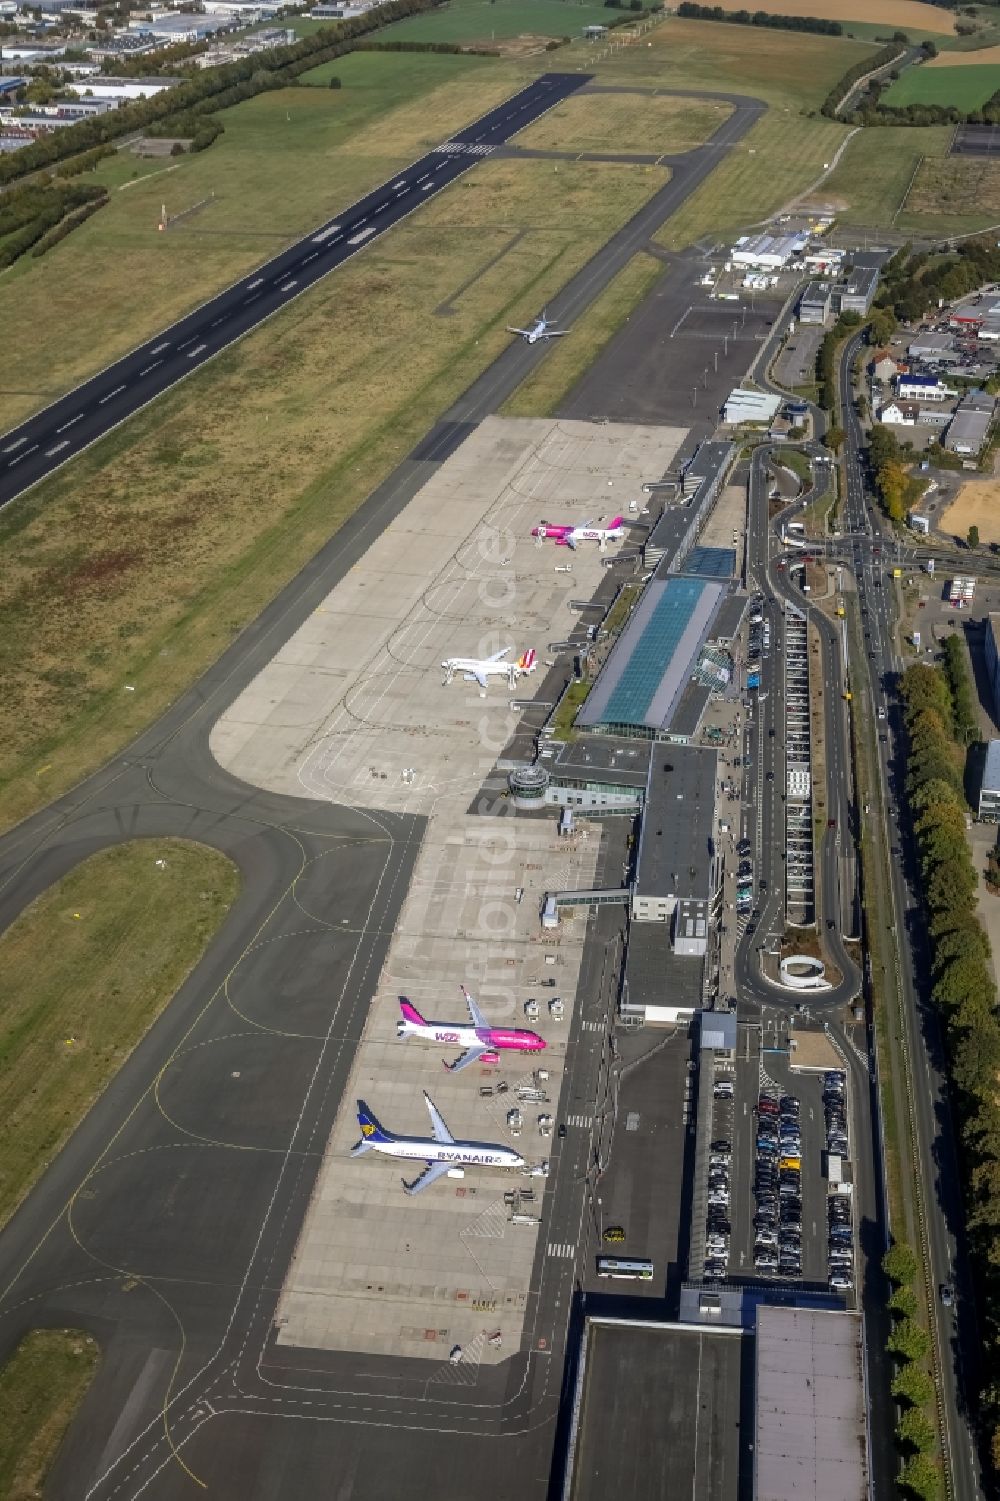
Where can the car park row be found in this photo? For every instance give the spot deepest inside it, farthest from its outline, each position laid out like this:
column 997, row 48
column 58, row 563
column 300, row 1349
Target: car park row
column 840, row 1227
column 718, row 1225
column 777, row 1217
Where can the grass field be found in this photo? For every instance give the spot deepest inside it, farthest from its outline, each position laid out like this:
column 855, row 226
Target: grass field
column 624, row 122
column 776, row 160
column 902, row 178
column 287, row 161
column 552, row 380
column 41, row 1387
column 892, row 14
column 138, row 563
column 466, row 21
column 87, row 969
column 789, row 69
column 964, row 86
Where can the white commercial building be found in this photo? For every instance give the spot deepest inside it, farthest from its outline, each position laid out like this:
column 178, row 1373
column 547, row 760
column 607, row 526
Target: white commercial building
column 750, row 406
column 922, row 388
column 121, row 89
column 767, row 252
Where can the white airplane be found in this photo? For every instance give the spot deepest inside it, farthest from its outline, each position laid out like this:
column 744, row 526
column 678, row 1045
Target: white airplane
column 476, row 670
column 539, row 330
column 442, row 1153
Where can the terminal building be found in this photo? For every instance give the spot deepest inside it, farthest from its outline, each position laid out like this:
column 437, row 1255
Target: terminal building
column 989, row 791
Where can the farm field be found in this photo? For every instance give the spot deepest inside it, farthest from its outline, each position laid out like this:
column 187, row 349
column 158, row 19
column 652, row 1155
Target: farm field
column 892, row 14
column 901, row 177
column 962, row 86
column 137, row 563
column 954, row 194
column 623, row 122
column 287, row 160
column 468, row 21
column 970, row 59
column 790, row 70
column 88, row 967
column 775, row 161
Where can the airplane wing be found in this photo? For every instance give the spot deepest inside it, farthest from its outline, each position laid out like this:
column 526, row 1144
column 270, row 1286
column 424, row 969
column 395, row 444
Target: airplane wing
column 441, row 1132
column 555, row 333
column 498, row 656
column 524, row 332
column 480, row 678
column 478, row 1019
column 469, row 1056
column 570, row 541
column 431, row 1173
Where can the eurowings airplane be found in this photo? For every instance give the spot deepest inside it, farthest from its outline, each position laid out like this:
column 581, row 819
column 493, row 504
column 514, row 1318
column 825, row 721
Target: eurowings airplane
column 440, row 1152
column 479, row 1040
column 475, row 670
column 569, row 536
column 539, row 330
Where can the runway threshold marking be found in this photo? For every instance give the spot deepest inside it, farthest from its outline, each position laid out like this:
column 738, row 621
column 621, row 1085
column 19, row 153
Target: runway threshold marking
column 324, row 234
column 12, row 447
column 199, row 348
column 58, row 448
column 357, row 239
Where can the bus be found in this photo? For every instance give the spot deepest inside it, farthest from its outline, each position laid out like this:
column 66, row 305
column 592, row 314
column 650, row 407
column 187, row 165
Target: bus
column 631, row 1270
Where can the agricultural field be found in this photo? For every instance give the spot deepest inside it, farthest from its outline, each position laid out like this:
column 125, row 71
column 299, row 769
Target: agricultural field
column 468, row 22
column 777, row 160
column 963, row 85
column 137, row 563
column 624, row 122
column 87, row 969
column 893, row 15
column 42, row 1384
column 287, row 160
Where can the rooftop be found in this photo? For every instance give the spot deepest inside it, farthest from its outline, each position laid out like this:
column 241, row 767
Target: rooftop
column 991, row 771
column 817, row 292
column 655, row 975
column 811, row 1441
column 711, row 562
column 649, row 666
column 641, row 1428
column 678, row 823
column 602, row 758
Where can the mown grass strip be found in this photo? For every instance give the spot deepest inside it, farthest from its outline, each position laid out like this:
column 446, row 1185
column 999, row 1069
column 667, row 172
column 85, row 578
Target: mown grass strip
column 41, row 1388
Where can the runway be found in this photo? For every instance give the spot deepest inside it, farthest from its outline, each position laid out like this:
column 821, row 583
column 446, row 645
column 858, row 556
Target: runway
column 166, row 1224
column 52, row 437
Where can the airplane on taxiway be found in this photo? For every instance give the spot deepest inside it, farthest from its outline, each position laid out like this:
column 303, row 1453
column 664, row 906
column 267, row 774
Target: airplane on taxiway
column 539, row 330
column 570, row 536
column 442, row 1153
column 480, row 1040
column 480, row 670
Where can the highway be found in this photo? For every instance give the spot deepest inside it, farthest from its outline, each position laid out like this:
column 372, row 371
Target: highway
column 155, row 1227
column 930, row 1106
column 59, row 432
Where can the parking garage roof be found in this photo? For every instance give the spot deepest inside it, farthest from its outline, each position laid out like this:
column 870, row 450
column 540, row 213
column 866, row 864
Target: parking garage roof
column 678, row 825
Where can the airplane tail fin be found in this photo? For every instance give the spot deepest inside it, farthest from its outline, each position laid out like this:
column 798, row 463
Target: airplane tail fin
column 373, row 1133
column 527, row 661
column 410, row 1012
column 618, row 521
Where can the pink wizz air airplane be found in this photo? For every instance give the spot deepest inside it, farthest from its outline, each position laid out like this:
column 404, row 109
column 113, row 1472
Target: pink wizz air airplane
column 569, row 536
column 480, row 1040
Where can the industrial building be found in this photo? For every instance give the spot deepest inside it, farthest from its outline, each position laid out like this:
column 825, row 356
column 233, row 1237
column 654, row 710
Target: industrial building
column 675, row 871
column 121, row 90
column 179, row 28
column 971, row 424
column 857, row 293
column 989, row 791
column 756, row 407
column 816, row 303
column 767, row 252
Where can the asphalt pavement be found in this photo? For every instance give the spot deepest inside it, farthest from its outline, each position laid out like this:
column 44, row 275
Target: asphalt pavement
column 166, row 1223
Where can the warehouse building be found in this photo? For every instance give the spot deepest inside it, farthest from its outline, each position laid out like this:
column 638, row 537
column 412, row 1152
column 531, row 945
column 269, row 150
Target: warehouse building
column 989, row 791
column 753, row 407
column 971, row 424
column 857, row 293
column 767, row 252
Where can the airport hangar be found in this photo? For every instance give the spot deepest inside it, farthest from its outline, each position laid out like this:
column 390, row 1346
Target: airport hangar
column 672, row 657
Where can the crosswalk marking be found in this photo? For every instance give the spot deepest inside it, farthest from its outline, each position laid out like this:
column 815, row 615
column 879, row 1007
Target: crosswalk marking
column 579, row 1120
column 593, row 1026
column 561, row 1248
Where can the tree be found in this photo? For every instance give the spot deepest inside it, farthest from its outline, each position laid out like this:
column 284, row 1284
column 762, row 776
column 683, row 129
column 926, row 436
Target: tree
column 973, row 536
column 921, row 1478
column 835, row 438
column 882, row 325
column 903, row 1302
column 915, row 1431
column 334, row 82
column 913, row 1385
column 900, row 1264
column 908, row 1341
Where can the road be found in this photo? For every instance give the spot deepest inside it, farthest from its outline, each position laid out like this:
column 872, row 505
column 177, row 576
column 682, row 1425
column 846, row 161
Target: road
column 930, row 1106
column 167, row 1222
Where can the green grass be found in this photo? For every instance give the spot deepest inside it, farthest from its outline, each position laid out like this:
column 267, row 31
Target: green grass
column 41, row 1388
column 287, row 161
column 902, row 178
column 781, row 156
column 87, row 969
column 465, row 21
column 569, row 706
column 965, row 87
column 551, row 381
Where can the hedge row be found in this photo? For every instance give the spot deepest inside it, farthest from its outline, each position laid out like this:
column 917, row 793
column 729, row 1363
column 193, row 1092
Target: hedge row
column 844, row 85
column 694, row 12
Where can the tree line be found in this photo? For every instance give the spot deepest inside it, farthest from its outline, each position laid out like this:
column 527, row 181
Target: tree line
column 847, row 81
column 32, row 216
column 694, row 12
column 211, row 89
column 940, row 720
column 897, row 491
column 912, row 1387
column 913, row 283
